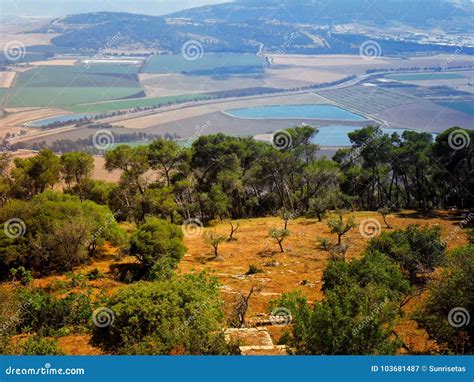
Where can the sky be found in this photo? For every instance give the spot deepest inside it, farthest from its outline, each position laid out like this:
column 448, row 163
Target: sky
column 57, row 8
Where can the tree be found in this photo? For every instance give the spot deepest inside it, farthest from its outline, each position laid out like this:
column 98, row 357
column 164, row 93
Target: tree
column 34, row 175
column 384, row 211
column 446, row 313
column 182, row 315
column 130, row 195
column 76, row 167
column 417, row 250
column 233, row 230
column 167, row 156
column 215, row 240
column 97, row 191
column 341, row 227
column 158, row 246
column 321, row 203
column 279, row 235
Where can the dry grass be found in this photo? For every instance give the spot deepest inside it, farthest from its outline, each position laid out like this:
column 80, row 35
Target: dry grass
column 300, row 267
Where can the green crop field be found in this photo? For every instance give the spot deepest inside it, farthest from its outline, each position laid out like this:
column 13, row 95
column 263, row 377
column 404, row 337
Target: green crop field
column 104, row 107
column 72, row 85
column 66, row 96
column 74, row 76
column 208, row 64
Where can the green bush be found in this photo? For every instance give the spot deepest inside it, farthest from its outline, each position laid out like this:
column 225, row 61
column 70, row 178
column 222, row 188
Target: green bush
column 46, row 314
column 37, row 345
column 178, row 316
column 373, row 268
column 58, row 232
column 470, row 236
column 158, row 245
column 358, row 313
column 417, row 250
column 356, row 321
column 446, row 313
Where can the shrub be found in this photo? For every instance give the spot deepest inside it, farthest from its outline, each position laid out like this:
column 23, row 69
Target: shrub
column 94, row 274
column 253, row 270
column 37, row 345
column 178, row 316
column 373, row 268
column 22, row 275
column 56, row 232
column 45, row 314
column 356, row 321
column 445, row 315
column 158, row 245
column 417, row 250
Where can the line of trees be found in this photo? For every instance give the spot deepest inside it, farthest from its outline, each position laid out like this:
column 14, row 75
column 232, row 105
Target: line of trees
column 222, row 176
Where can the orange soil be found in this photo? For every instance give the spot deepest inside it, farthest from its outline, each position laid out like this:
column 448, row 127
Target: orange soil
column 300, row 267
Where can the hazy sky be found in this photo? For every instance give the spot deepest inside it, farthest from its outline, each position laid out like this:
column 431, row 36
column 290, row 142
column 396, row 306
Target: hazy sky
column 55, row 8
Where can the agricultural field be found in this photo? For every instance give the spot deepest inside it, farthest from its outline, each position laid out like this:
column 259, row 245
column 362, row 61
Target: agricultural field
column 425, row 76
column 207, row 65
column 104, row 107
column 78, row 76
column 67, row 85
column 462, row 106
column 60, row 96
column 156, row 85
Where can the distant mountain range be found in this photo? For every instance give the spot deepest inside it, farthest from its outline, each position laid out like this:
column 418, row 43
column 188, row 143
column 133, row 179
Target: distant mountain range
column 289, row 26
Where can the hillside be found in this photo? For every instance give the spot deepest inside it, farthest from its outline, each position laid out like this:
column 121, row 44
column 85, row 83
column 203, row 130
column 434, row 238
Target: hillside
column 304, row 26
column 300, row 268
